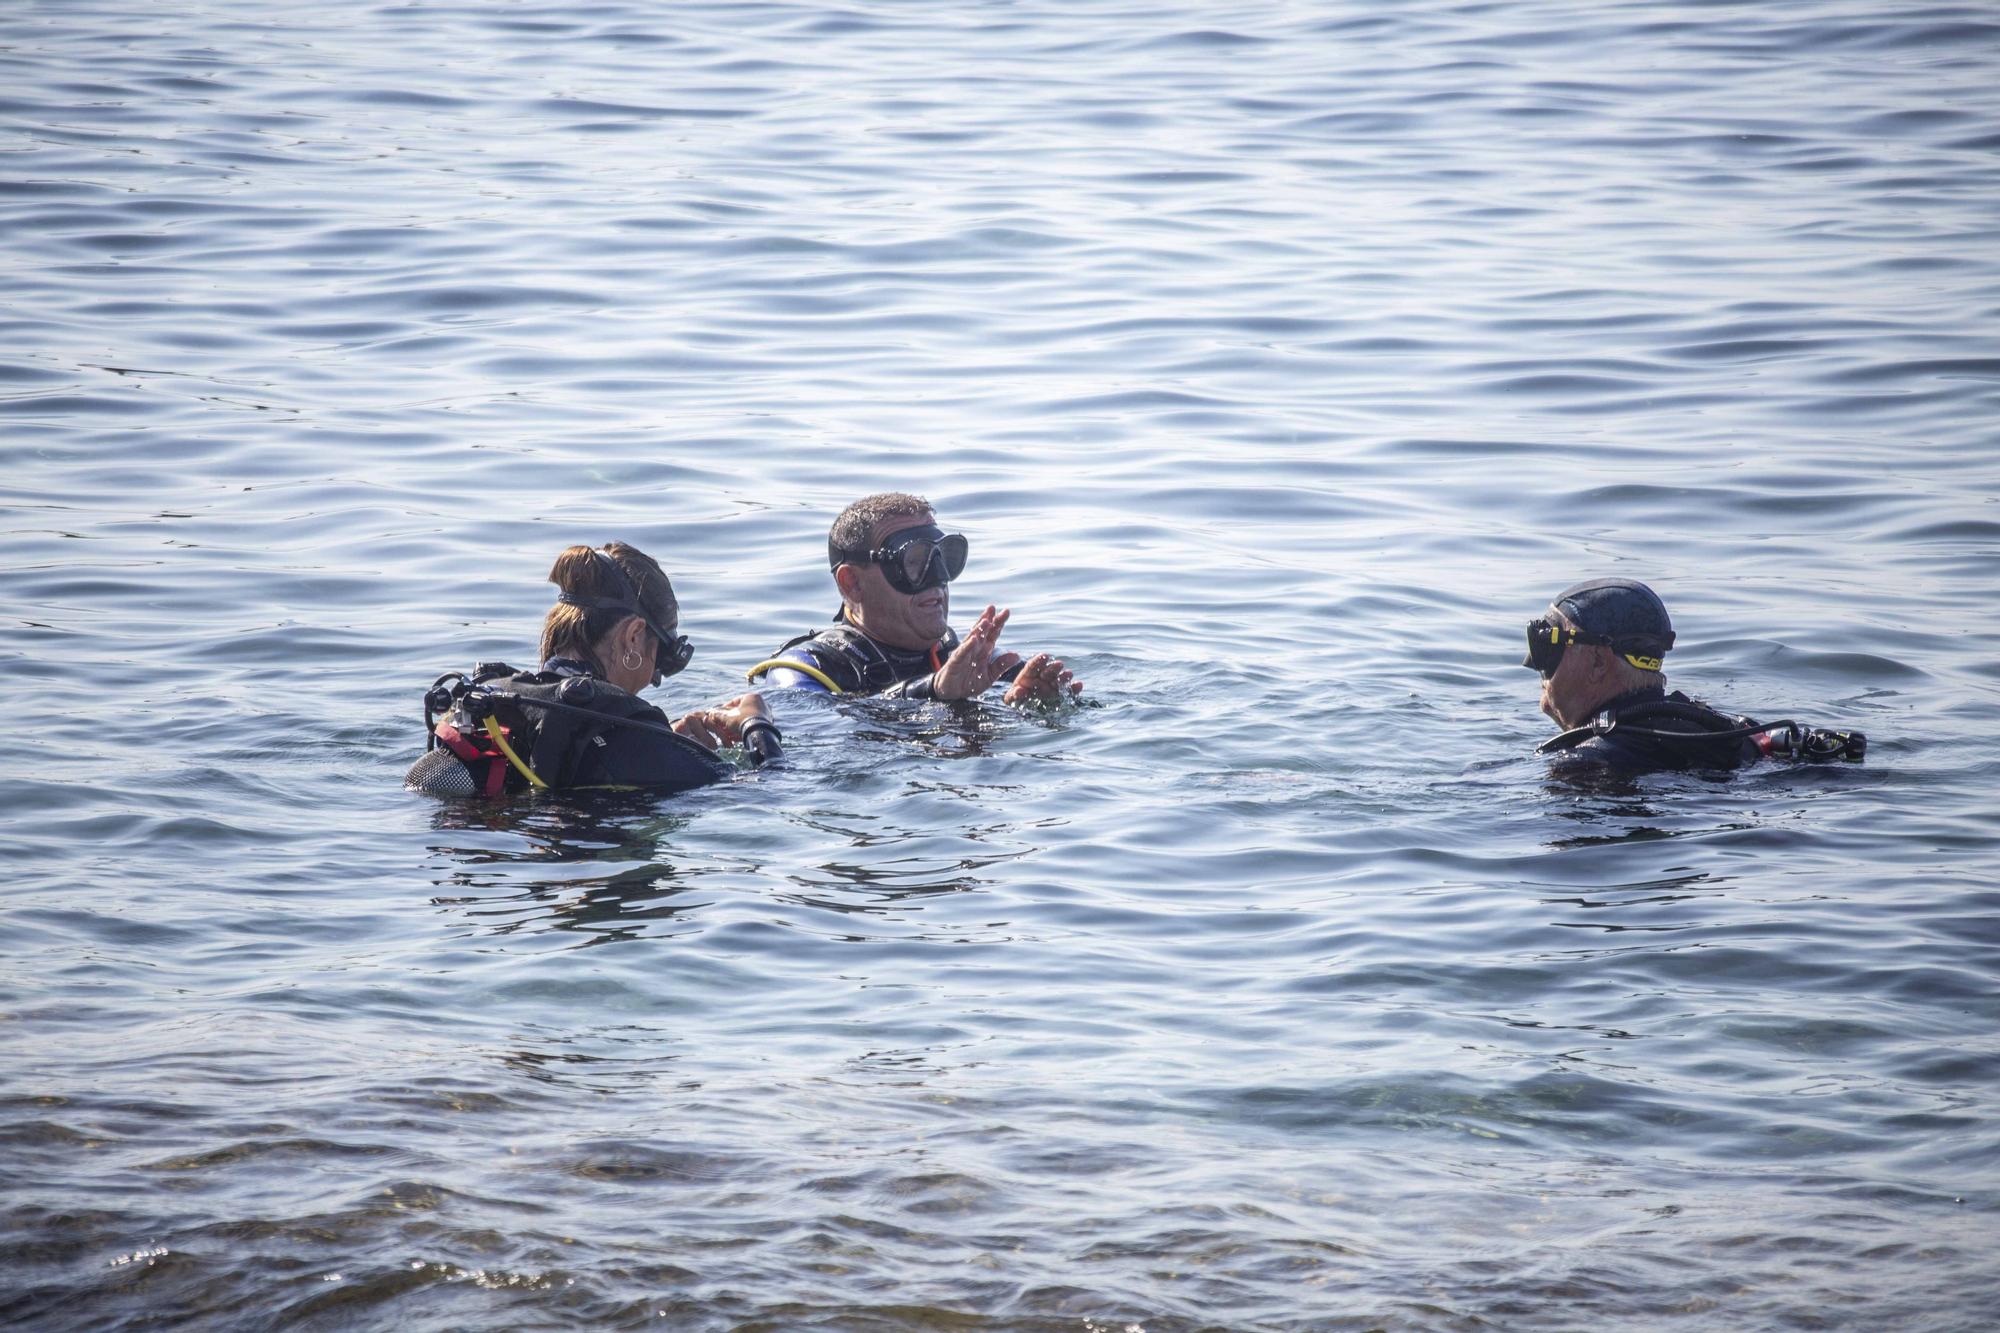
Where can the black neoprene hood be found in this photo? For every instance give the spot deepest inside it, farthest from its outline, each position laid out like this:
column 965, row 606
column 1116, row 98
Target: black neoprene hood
column 1625, row 611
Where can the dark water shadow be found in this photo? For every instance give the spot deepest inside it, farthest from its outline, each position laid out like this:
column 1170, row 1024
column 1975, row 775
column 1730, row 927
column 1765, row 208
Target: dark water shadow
column 1622, row 806
column 591, row 862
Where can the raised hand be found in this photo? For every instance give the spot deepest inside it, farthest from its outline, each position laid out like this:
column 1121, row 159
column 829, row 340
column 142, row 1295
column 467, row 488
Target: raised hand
column 973, row 666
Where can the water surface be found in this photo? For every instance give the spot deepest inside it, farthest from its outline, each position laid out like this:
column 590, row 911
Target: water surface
column 1279, row 361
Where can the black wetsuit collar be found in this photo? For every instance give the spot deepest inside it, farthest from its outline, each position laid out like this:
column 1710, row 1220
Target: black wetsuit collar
column 857, row 663
column 1603, row 719
column 1645, row 694
column 904, row 662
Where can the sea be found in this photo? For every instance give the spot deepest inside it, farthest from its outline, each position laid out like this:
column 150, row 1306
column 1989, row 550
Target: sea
column 1279, row 361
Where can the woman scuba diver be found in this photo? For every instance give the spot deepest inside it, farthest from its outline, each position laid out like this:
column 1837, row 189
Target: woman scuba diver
column 578, row 721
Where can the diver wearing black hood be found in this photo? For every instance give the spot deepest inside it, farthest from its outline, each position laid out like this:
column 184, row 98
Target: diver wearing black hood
column 1600, row 650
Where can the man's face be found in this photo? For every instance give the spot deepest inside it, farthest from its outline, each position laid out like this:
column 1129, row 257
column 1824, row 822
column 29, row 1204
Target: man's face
column 1573, row 692
column 900, row 619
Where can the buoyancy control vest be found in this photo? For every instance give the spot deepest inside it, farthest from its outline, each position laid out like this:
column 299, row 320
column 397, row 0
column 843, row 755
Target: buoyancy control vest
column 505, row 731
column 853, row 663
column 1651, row 729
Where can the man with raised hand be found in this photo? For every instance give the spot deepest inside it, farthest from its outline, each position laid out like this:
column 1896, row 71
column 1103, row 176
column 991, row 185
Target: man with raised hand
column 892, row 635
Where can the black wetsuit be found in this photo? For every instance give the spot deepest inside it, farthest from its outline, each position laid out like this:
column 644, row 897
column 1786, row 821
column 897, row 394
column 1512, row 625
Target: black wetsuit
column 586, row 742
column 857, row 663
column 1649, row 729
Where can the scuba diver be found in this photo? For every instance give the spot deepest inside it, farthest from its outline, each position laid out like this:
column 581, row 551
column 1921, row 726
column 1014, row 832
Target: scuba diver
column 578, row 721
column 893, row 566
column 1600, row 647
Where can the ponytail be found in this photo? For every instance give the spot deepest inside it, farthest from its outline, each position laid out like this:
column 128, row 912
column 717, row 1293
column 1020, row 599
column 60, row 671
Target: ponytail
column 584, row 573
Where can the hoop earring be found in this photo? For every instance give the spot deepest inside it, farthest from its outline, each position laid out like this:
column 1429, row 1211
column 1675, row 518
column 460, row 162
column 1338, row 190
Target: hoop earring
column 631, row 661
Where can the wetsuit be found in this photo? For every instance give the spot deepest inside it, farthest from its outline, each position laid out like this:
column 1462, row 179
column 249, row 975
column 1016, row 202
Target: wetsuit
column 586, row 741
column 1649, row 729
column 855, row 663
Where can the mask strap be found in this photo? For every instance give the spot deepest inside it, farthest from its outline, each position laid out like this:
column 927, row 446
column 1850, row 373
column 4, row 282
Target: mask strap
column 627, row 600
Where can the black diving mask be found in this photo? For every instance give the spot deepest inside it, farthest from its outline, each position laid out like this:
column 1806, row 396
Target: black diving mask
column 1547, row 641
column 671, row 652
column 916, row 559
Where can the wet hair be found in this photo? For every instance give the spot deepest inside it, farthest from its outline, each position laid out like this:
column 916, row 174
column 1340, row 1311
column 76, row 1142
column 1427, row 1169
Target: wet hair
column 848, row 541
column 574, row 631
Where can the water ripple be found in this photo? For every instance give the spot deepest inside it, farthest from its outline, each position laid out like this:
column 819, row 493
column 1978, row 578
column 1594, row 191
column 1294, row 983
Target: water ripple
column 1278, row 365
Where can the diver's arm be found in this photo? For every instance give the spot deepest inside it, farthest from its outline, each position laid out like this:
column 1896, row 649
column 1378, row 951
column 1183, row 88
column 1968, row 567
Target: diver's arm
column 917, row 687
column 974, row 665
column 798, row 669
column 784, row 678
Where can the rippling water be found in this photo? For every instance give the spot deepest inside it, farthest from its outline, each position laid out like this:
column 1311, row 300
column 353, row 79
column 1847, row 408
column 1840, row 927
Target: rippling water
column 1280, row 361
